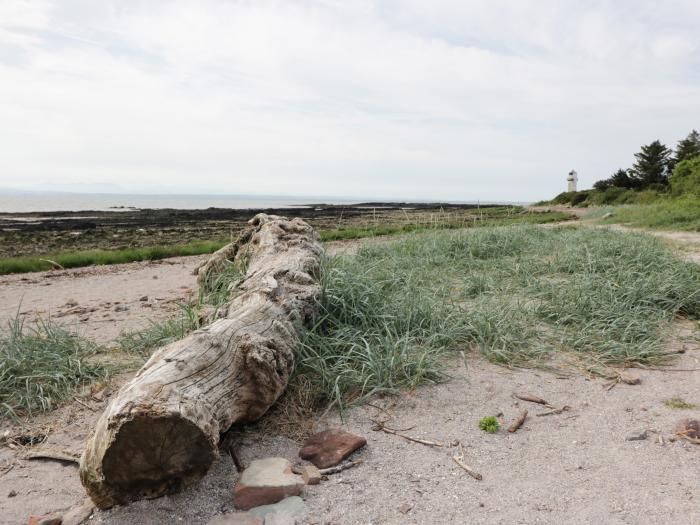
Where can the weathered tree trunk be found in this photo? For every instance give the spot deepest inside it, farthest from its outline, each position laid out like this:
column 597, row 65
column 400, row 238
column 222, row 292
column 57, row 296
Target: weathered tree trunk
column 161, row 430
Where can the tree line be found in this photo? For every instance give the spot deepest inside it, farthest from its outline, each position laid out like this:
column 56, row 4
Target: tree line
column 654, row 165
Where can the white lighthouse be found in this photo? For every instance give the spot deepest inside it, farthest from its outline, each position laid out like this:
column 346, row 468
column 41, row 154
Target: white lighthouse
column 572, row 180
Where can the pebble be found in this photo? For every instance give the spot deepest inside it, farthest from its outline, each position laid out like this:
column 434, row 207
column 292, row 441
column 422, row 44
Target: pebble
column 121, row 308
column 311, row 475
column 637, row 436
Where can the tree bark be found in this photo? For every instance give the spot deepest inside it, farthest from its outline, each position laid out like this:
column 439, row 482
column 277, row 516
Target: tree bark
column 161, row 430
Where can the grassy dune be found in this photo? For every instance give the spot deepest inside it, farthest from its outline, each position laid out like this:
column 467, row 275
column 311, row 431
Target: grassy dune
column 667, row 214
column 517, row 295
column 390, row 314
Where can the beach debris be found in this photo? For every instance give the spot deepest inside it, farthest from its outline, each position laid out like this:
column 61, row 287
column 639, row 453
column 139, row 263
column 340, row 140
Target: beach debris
column 264, row 482
column 79, row 513
column 565, row 408
column 311, row 475
column 51, row 453
column 340, row 468
column 329, row 447
column 518, row 422
column 637, row 436
column 192, row 390
column 688, row 429
column 524, row 396
column 459, row 460
column 380, row 426
column 51, row 519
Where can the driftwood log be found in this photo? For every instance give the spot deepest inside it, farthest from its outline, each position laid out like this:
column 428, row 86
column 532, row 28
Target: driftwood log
column 161, row 430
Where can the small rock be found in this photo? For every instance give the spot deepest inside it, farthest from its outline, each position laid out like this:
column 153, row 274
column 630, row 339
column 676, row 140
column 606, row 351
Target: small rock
column 44, row 520
column 293, row 507
column 688, row 427
column 12, row 494
column 330, row 447
column 630, row 379
column 79, row 514
column 144, row 298
column 637, row 436
column 155, row 277
column 121, row 308
column 236, row 518
column 311, row 475
column 264, row 482
column 405, row 508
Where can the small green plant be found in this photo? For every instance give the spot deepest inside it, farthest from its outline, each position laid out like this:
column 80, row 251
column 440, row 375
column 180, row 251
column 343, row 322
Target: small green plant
column 678, row 404
column 42, row 366
column 489, row 424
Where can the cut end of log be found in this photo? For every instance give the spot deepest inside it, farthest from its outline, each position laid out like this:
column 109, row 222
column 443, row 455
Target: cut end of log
column 150, row 457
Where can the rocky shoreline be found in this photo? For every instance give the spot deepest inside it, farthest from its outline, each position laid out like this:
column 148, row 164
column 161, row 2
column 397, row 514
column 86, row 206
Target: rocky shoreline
column 33, row 233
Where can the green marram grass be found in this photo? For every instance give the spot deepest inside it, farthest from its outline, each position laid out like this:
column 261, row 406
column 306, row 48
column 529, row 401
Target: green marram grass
column 77, row 259
column 392, row 312
column 42, row 366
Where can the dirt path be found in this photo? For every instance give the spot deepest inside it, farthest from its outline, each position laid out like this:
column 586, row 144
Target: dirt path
column 575, row 467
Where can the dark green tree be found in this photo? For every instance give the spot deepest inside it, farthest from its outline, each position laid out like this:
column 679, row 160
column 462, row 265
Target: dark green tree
column 652, row 164
column 686, row 149
column 622, row 179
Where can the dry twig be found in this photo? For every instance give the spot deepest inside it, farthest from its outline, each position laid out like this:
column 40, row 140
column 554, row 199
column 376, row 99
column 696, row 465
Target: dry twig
column 459, row 459
column 555, row 411
column 532, row 399
column 518, row 422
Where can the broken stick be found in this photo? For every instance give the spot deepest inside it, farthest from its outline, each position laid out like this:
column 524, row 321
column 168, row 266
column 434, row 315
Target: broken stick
column 532, row 399
column 518, row 422
column 459, row 459
column 555, row 411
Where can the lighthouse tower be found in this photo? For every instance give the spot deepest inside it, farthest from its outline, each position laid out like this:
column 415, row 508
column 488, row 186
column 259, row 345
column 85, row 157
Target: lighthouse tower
column 572, row 180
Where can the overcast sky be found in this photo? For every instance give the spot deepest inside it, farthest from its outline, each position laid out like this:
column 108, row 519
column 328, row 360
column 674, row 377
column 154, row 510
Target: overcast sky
column 460, row 100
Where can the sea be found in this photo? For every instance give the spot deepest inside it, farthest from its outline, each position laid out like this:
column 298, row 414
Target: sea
column 26, row 202
column 22, row 202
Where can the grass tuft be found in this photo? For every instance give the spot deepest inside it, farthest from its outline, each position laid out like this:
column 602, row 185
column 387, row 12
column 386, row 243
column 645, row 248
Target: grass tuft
column 515, row 294
column 489, row 424
column 42, row 366
column 679, row 404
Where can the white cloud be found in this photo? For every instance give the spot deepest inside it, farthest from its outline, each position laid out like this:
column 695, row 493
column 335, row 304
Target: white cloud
column 459, row 100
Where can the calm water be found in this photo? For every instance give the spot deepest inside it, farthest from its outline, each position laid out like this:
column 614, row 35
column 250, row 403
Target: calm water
column 28, row 202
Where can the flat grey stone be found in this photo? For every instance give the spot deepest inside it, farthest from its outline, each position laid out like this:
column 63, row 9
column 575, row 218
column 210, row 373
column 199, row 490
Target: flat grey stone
column 637, row 436
column 293, row 507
